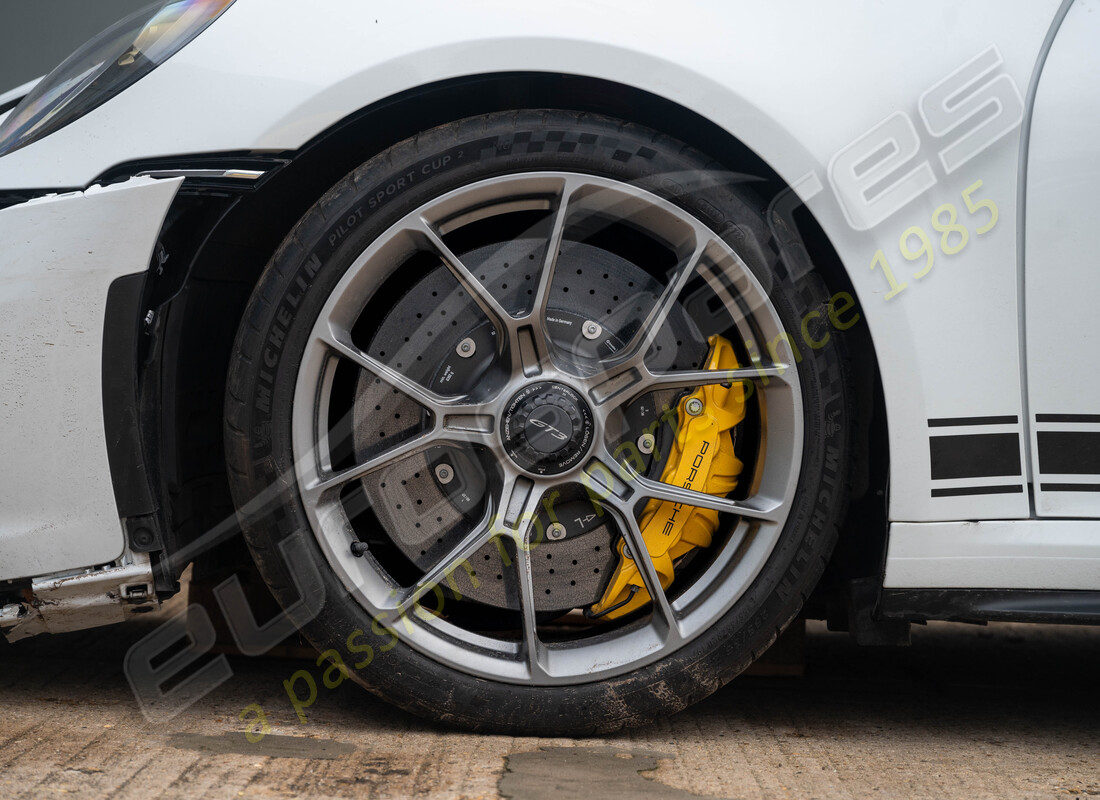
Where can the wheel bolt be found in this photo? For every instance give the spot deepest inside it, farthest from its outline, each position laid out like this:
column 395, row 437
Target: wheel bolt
column 555, row 531
column 591, row 330
column 694, row 406
column 466, row 348
column 444, row 474
column 646, row 443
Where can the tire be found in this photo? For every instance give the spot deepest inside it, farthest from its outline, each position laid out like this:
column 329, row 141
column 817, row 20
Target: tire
column 485, row 663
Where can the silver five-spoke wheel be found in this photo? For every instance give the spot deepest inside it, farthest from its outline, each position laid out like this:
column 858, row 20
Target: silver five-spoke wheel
column 530, row 391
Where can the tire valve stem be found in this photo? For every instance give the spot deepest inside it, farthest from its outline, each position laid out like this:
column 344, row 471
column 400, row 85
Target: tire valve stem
column 358, row 549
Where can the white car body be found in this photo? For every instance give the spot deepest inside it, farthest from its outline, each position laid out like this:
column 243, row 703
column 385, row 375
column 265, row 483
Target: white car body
column 992, row 343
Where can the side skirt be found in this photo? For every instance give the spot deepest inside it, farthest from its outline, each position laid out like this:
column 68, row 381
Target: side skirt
column 991, row 605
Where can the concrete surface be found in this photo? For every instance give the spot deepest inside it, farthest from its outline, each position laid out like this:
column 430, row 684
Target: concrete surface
column 1007, row 711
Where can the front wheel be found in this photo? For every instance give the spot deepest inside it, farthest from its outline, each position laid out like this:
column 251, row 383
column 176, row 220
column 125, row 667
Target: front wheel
column 528, row 397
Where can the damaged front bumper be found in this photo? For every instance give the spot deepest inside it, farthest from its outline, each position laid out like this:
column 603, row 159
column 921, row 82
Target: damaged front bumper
column 82, row 600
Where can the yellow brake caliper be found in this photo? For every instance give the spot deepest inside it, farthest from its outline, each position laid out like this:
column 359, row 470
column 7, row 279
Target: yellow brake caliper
column 702, row 459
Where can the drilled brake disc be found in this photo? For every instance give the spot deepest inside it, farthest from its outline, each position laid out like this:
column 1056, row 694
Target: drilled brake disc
column 437, row 336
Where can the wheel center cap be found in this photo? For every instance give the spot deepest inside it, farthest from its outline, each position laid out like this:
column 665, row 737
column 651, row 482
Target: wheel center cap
column 547, row 428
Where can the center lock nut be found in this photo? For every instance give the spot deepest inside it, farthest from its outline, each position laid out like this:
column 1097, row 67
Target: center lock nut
column 547, row 428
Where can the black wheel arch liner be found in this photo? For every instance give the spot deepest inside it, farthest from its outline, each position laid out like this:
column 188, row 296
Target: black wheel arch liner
column 169, row 332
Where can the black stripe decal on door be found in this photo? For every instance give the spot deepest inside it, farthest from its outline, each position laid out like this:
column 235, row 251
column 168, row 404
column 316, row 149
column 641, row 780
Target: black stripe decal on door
column 1069, row 452
column 978, row 455
column 952, row 422
column 967, row 491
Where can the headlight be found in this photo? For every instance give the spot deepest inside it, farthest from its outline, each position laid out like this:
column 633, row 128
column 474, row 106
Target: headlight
column 109, row 63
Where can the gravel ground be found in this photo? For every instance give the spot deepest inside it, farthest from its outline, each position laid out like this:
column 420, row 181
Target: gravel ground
column 1004, row 711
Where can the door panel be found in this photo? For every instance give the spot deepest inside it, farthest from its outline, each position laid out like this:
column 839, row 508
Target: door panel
column 1061, row 277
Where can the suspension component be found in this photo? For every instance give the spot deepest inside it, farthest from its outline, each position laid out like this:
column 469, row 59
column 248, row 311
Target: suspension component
column 703, row 459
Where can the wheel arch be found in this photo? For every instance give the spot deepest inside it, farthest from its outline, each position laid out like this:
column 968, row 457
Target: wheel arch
column 217, row 242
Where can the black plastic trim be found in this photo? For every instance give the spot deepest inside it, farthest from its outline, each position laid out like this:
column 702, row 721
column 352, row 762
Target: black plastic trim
column 137, row 506
column 992, row 605
column 234, row 160
column 121, row 417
